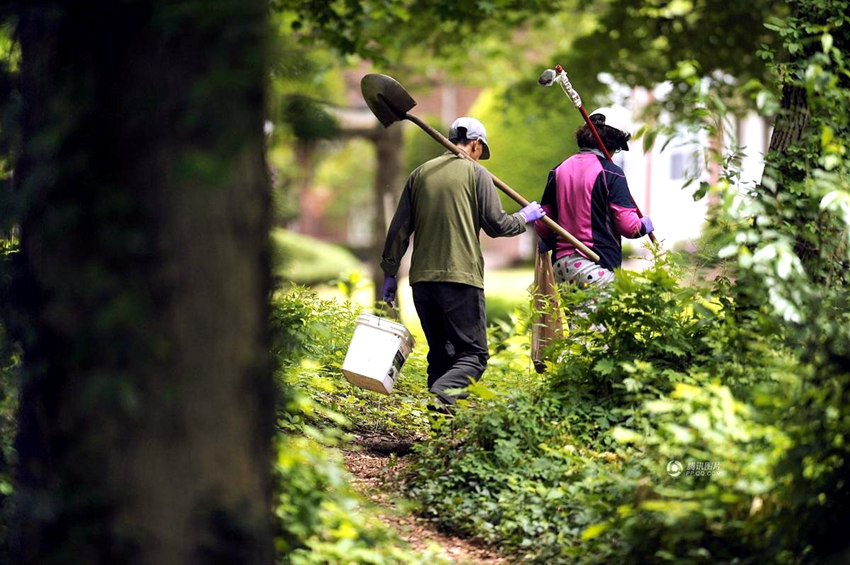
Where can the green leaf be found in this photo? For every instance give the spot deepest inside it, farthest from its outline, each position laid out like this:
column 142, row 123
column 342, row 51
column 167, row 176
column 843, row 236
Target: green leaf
column 649, row 139
column 595, row 530
column 481, row 390
column 826, row 136
column 625, row 435
column 604, row 366
column 701, row 191
column 659, row 406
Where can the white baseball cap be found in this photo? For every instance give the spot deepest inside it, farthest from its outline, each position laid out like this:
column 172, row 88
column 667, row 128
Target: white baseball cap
column 617, row 117
column 471, row 129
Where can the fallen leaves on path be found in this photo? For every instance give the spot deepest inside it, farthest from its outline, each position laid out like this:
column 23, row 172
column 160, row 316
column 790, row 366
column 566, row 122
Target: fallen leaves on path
column 374, row 466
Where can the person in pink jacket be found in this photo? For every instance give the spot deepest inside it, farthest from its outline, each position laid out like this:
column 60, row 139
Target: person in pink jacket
column 588, row 195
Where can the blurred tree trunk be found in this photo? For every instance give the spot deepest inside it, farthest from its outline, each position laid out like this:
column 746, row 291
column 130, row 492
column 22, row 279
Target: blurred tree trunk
column 140, row 293
column 389, row 148
column 389, row 154
column 788, row 134
column 790, row 126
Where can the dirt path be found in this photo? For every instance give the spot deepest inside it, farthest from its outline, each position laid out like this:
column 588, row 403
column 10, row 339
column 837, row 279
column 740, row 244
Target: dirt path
column 374, row 466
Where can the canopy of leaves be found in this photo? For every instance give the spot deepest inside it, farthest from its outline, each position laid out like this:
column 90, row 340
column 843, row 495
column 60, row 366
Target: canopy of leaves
column 639, row 42
column 380, row 30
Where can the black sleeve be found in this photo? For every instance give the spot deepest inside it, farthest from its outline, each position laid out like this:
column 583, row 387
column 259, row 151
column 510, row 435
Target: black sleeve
column 494, row 220
column 401, row 227
column 549, row 201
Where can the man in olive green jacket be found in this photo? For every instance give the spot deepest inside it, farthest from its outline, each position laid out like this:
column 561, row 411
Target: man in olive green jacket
column 445, row 202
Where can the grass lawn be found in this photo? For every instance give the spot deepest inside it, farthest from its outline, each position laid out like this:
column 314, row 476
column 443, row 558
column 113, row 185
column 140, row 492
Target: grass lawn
column 503, row 290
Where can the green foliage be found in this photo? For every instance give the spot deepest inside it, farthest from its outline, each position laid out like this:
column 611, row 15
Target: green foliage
column 9, row 367
column 312, row 336
column 302, row 259
column 576, row 471
column 382, row 29
column 321, row 519
column 526, row 139
column 800, row 252
column 308, row 120
column 720, row 39
column 697, row 487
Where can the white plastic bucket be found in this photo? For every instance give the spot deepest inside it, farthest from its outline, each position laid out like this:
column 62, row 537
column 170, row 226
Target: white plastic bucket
column 376, row 354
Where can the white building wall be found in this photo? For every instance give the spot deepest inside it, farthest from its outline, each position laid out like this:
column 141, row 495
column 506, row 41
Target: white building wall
column 753, row 137
column 657, row 178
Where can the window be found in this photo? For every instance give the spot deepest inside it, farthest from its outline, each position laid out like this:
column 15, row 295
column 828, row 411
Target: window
column 683, row 165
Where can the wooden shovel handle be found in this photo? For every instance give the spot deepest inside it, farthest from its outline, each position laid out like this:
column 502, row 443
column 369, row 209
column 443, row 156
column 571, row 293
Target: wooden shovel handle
column 514, row 195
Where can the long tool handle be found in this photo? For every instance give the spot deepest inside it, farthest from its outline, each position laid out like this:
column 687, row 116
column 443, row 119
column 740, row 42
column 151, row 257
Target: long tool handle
column 561, row 78
column 504, row 187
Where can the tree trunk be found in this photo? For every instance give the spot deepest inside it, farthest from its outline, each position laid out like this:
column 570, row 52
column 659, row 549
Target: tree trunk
column 789, row 126
column 387, row 185
column 140, row 292
column 788, row 132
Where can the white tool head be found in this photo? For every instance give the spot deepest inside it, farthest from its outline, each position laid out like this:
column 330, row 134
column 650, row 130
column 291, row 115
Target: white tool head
column 547, row 78
column 551, row 76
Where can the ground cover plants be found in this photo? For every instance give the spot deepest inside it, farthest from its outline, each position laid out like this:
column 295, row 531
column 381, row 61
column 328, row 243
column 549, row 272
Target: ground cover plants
column 576, row 468
column 572, row 466
column 321, row 518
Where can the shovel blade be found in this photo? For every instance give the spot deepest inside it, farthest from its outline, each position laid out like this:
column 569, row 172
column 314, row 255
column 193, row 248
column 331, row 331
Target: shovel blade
column 387, row 99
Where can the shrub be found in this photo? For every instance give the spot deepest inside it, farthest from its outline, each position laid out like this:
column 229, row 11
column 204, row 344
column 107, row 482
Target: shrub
column 319, row 517
column 312, row 337
column 9, row 365
column 574, row 470
column 301, row 259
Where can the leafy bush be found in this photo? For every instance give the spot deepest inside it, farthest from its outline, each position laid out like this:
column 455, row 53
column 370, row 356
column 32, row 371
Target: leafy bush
column 10, row 360
column 795, row 258
column 312, row 338
column 320, row 518
column 575, row 470
column 301, row 259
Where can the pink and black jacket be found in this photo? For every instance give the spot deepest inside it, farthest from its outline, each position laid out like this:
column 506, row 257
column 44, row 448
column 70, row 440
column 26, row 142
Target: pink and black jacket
column 588, row 195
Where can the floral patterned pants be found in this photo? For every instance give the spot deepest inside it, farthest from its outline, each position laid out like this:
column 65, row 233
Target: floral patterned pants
column 581, row 271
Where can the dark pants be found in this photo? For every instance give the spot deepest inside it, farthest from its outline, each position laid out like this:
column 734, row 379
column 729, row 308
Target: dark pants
column 455, row 324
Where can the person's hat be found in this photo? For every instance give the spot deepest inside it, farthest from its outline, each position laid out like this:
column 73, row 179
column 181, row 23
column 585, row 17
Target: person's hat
column 471, row 129
column 618, row 118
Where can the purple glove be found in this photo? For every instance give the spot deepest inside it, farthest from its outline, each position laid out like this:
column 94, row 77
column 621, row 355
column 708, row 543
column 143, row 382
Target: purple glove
column 389, row 289
column 532, row 212
column 647, row 225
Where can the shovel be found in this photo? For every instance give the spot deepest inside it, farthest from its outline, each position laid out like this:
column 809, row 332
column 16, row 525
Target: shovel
column 390, row 102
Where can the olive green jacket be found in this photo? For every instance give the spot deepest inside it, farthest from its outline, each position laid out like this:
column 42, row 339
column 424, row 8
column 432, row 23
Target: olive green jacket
column 444, row 204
